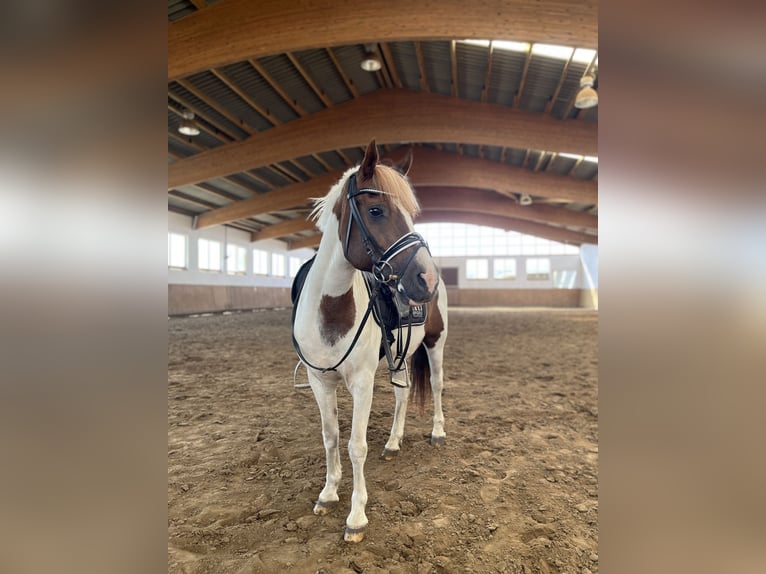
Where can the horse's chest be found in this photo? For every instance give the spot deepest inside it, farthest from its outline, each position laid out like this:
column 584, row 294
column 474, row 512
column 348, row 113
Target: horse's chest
column 336, row 316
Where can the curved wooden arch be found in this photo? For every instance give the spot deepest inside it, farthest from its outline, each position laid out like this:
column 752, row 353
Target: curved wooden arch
column 236, row 30
column 498, row 221
column 390, row 116
column 429, row 168
column 487, row 202
column 476, row 206
column 508, row 224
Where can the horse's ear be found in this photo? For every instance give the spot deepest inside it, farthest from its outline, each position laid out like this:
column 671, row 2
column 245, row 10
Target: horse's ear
column 370, row 160
column 403, row 165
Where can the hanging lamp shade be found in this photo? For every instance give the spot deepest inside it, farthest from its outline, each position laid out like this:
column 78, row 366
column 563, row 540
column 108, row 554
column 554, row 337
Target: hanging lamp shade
column 371, row 62
column 587, row 97
column 188, row 126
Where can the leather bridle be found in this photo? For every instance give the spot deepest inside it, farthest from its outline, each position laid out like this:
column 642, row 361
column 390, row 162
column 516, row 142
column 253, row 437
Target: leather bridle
column 382, row 269
column 384, row 274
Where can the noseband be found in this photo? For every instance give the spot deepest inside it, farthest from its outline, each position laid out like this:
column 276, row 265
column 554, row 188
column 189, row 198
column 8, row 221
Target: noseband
column 382, row 269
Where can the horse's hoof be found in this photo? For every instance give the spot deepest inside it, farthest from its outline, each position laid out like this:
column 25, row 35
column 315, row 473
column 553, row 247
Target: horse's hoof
column 438, row 440
column 354, row 534
column 321, row 508
column 389, row 454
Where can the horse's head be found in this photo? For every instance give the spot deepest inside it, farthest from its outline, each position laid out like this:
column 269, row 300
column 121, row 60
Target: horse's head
column 377, row 232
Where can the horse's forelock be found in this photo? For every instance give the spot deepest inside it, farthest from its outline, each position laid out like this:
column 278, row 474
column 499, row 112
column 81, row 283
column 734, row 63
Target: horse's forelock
column 389, row 181
column 396, row 185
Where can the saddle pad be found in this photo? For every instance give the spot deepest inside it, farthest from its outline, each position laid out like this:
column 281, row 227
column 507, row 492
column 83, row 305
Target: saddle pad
column 300, row 279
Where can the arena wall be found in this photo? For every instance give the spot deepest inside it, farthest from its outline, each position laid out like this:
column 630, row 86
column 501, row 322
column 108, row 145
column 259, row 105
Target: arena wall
column 573, row 281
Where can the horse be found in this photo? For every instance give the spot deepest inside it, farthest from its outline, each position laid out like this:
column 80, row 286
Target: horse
column 366, row 221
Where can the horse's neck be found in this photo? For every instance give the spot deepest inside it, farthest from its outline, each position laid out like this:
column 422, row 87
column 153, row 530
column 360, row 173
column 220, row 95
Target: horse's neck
column 333, row 274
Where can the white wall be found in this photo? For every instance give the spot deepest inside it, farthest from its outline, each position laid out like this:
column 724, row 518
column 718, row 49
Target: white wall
column 182, row 224
column 558, row 262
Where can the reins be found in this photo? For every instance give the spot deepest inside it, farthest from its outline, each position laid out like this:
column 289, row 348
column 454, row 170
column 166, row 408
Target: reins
column 383, row 273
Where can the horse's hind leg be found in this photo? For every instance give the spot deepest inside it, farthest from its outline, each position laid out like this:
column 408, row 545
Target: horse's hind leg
column 435, row 360
column 391, row 450
column 326, row 397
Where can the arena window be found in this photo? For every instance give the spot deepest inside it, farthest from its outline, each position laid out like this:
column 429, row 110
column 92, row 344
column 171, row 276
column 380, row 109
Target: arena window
column 277, row 265
column 178, row 252
column 209, row 255
column 236, row 259
column 260, row 262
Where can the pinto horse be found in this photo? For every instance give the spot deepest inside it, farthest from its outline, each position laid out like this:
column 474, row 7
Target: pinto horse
column 367, row 224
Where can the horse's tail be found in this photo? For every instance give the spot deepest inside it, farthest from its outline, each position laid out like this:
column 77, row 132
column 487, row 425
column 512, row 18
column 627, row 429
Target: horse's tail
column 421, row 377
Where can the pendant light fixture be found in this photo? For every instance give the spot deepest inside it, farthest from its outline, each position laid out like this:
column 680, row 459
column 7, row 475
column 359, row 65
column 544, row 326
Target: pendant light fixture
column 587, row 97
column 188, row 126
column 371, row 62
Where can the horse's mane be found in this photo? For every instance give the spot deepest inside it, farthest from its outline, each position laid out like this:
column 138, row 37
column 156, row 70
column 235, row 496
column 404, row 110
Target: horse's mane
column 393, row 183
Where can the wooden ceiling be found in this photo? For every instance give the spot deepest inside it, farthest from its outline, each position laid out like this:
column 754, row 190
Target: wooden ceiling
column 284, row 108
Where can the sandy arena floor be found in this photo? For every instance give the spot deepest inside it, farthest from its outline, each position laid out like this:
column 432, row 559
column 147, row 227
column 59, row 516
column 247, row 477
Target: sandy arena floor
column 514, row 490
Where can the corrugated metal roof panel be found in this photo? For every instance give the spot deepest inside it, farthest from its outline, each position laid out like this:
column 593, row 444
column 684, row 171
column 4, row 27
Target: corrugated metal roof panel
column 227, row 186
column 324, row 74
column 355, row 154
column 492, row 152
column 406, row 62
column 561, row 165
column 204, row 195
column 294, row 169
column 182, row 149
column 587, row 170
column 568, row 89
column 438, row 66
column 505, row 76
column 515, row 156
column 220, row 93
column 471, row 69
column 332, row 159
column 258, row 89
column 281, row 69
column 349, row 58
column 274, row 178
column 542, row 78
column 249, row 182
column 214, row 115
column 310, row 165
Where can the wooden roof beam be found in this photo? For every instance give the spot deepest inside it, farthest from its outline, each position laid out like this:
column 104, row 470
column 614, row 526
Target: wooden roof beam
column 194, row 42
column 508, row 224
column 430, row 168
column 392, row 116
column 481, row 201
column 289, row 227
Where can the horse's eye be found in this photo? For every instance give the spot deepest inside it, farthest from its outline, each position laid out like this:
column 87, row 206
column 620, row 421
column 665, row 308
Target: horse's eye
column 375, row 212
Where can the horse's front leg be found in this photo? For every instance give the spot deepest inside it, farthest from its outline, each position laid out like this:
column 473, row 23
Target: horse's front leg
column 325, row 394
column 361, row 391
column 391, row 450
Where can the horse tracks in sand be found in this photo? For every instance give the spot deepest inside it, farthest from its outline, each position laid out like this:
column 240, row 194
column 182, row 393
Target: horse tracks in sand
column 514, row 490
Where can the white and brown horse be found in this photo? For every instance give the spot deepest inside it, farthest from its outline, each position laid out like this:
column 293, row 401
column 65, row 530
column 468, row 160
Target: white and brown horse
column 367, row 225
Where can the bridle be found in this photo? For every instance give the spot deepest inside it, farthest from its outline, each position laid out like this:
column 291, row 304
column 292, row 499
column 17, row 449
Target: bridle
column 382, row 269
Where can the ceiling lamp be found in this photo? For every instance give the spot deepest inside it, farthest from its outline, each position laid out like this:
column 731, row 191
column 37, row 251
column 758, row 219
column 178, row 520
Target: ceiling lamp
column 587, row 96
column 188, row 126
column 525, row 199
column 371, row 62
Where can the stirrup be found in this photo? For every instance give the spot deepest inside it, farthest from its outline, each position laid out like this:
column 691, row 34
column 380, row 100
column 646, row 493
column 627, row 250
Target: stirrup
column 295, row 374
column 400, row 378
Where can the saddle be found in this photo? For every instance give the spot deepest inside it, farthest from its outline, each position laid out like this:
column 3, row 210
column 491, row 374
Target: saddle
column 388, row 313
